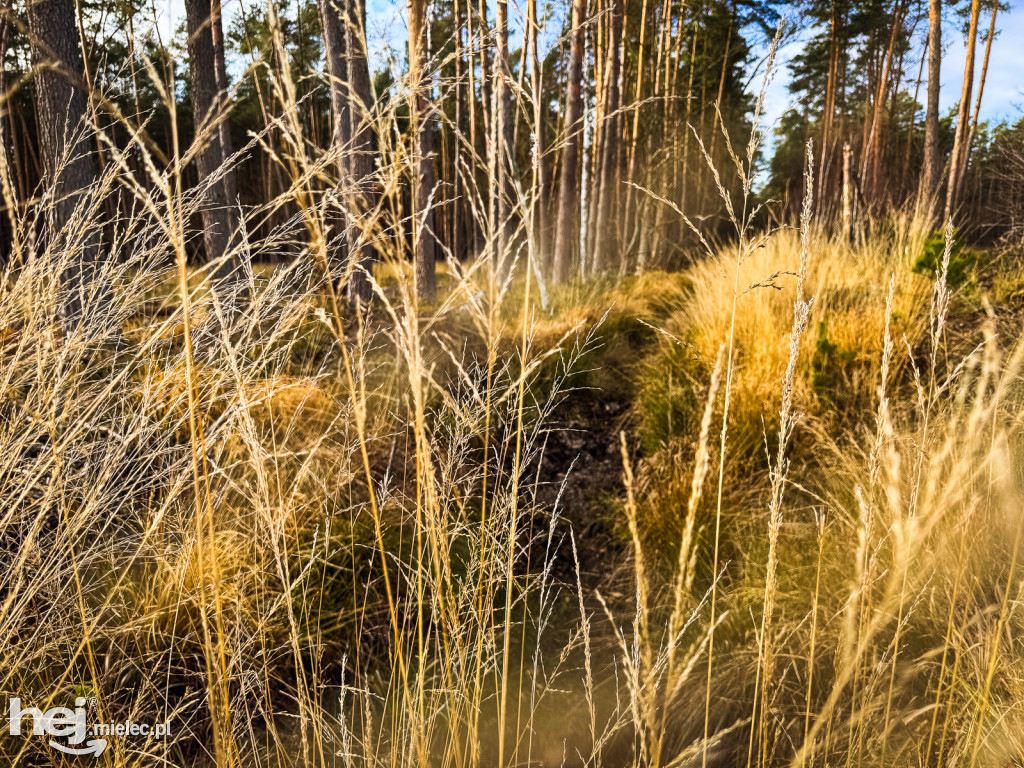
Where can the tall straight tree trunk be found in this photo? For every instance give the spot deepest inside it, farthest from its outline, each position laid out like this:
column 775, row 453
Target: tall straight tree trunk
column 721, row 81
column 361, row 164
column 503, row 146
column 828, row 113
column 11, row 139
column 423, row 155
column 687, row 131
column 930, row 172
column 68, row 166
column 485, row 72
column 567, row 229
column 540, row 164
column 333, row 24
column 458, row 239
column 605, row 240
column 472, row 222
column 524, row 51
column 960, row 137
column 9, row 244
column 635, row 134
column 487, row 111
column 869, row 160
column 848, row 201
column 224, row 104
column 207, row 68
column 662, row 87
column 593, row 175
column 701, row 166
column 905, row 173
column 977, row 101
column 470, row 74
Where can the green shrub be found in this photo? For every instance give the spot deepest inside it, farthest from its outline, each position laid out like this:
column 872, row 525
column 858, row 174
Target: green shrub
column 828, row 364
column 961, row 259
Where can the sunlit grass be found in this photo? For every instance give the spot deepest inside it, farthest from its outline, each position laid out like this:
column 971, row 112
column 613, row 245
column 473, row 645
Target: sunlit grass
column 311, row 534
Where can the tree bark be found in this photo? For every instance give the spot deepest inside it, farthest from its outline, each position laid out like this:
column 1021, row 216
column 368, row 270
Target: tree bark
column 361, row 163
column 848, row 201
column 825, row 152
column 592, row 190
column 224, row 105
column 540, row 164
column 332, row 23
column 423, row 156
column 687, row 129
column 960, row 138
column 721, row 82
column 209, row 110
column 9, row 240
column 472, row 223
column 930, row 172
column 869, row 160
column 567, row 230
column 458, row 237
column 605, row 240
column 503, row 145
column 68, row 166
column 635, row 135
column 977, row 101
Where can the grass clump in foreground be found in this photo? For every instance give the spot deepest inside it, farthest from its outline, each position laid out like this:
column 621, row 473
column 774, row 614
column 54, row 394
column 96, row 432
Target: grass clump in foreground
column 311, row 535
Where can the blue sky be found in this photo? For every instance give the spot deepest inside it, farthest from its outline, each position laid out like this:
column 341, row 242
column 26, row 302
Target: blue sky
column 1004, row 88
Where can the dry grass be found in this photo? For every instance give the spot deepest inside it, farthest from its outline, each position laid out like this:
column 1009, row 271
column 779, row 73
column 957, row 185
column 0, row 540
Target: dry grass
column 308, row 535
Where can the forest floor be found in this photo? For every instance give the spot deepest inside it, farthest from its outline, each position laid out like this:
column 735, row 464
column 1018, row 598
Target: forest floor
column 388, row 477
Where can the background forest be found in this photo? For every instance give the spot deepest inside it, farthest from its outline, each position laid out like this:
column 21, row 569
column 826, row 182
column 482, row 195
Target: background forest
column 601, row 96
column 497, row 385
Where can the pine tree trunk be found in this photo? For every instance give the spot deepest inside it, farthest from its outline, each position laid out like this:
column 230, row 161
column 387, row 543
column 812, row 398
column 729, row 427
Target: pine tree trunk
column 702, row 166
column 567, row 227
column 848, row 201
column 361, row 163
column 567, row 230
column 635, row 135
column 333, row 26
column 337, row 69
column 930, row 171
column 10, row 139
column 8, row 234
column 592, row 191
column 423, row 156
column 687, row 130
column 869, row 160
column 721, row 83
column 828, row 113
column 224, row 105
column 977, row 101
column 605, row 240
column 485, row 76
column 472, row 223
column 960, row 137
column 69, row 167
column 540, row 163
column 503, row 145
column 206, row 64
column 458, row 239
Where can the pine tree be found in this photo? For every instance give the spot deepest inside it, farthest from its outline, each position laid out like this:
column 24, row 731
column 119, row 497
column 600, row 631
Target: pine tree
column 69, row 166
column 423, row 154
column 208, row 79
